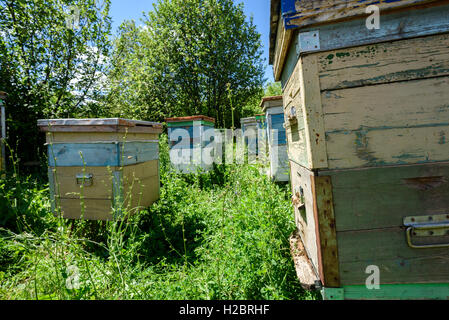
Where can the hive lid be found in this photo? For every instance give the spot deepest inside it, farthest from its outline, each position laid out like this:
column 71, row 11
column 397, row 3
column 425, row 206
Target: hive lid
column 191, row 118
column 99, row 125
column 264, row 105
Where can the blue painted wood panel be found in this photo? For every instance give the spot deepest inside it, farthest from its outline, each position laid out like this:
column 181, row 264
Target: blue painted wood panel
column 101, row 154
column 277, row 123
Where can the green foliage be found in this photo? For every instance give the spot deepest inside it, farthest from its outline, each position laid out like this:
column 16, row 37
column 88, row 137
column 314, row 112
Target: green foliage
column 182, row 60
column 49, row 67
column 218, row 235
column 273, row 89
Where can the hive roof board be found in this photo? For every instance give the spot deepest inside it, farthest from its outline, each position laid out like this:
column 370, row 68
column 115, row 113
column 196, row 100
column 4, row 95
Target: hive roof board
column 186, row 121
column 99, row 125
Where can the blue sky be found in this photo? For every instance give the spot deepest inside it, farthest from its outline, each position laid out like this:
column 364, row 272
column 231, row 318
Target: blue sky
column 260, row 9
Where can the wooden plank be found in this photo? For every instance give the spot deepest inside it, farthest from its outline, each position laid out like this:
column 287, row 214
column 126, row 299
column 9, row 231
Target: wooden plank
column 404, row 104
column 296, row 142
column 382, row 147
column 68, row 187
column 385, row 62
column 387, row 248
column 313, row 113
column 141, row 193
column 306, row 13
column 127, row 188
column 381, row 197
column 326, row 237
column 291, row 60
column 94, row 209
column 102, row 154
column 353, row 33
column 283, row 40
column 139, row 152
column 89, row 137
column 102, row 179
column 412, row 291
column 304, row 269
column 293, row 85
column 68, row 154
column 189, row 123
column 102, row 128
column 190, row 119
column 301, row 185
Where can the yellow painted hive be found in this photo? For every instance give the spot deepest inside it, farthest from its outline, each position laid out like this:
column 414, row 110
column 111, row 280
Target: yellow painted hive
column 100, row 169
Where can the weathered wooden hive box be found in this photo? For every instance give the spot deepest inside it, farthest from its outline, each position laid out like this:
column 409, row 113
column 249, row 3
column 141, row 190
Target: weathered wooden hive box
column 2, row 131
column 249, row 132
column 102, row 168
column 367, row 120
column 277, row 141
column 262, row 139
column 188, row 136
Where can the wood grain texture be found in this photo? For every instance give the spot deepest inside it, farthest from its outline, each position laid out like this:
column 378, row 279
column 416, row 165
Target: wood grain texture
column 89, row 137
column 406, row 24
column 388, row 124
column 283, row 39
column 388, row 249
column 102, row 154
column 385, row 62
column 383, row 147
column 404, row 104
column 411, row 291
column 394, row 26
column 306, row 13
column 102, row 128
column 94, row 209
column 326, row 237
column 304, row 268
column 301, row 184
column 313, row 113
column 381, row 197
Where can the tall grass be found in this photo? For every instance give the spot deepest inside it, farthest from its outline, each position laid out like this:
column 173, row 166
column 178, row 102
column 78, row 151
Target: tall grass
column 219, row 235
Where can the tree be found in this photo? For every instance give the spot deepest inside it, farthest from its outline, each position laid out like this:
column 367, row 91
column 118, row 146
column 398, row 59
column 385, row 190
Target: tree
column 273, row 89
column 183, row 59
column 51, row 63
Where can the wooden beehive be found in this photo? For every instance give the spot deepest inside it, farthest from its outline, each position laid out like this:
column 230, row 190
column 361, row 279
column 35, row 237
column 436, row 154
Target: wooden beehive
column 277, row 141
column 367, row 120
column 102, row 168
column 188, row 136
column 249, row 132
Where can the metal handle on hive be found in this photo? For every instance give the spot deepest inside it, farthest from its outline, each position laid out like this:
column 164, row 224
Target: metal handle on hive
column 427, row 226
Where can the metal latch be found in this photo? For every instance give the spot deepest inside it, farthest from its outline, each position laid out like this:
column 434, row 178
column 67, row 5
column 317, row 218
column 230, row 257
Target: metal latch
column 85, row 180
column 427, row 226
column 308, row 41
